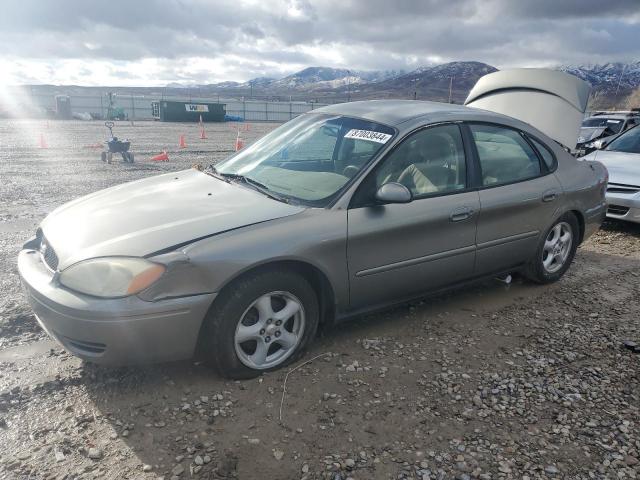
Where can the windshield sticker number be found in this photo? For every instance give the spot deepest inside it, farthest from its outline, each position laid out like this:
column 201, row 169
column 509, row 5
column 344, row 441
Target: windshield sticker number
column 368, row 135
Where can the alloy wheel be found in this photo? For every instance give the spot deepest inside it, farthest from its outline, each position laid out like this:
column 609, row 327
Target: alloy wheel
column 270, row 330
column 557, row 247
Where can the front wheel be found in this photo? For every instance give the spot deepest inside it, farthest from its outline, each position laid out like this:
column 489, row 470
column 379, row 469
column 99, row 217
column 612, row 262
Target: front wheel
column 260, row 323
column 555, row 252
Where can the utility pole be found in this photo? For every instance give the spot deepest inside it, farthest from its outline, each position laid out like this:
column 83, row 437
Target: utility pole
column 450, row 87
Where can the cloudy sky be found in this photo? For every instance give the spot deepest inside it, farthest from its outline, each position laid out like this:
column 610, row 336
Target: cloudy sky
column 154, row 42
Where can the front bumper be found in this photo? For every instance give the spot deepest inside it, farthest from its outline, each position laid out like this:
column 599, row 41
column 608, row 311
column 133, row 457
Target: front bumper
column 623, row 207
column 112, row 331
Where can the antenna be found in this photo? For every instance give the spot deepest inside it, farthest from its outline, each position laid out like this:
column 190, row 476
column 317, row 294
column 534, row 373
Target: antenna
column 620, row 80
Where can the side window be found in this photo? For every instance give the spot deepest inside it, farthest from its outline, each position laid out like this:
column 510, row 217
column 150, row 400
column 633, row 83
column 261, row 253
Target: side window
column 548, row 157
column 428, row 162
column 505, row 156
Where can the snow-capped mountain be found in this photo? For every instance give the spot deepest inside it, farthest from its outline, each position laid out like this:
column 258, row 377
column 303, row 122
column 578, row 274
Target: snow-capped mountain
column 327, row 78
column 606, row 77
column 430, row 82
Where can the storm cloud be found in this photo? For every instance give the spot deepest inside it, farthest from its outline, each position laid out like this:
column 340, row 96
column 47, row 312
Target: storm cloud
column 138, row 42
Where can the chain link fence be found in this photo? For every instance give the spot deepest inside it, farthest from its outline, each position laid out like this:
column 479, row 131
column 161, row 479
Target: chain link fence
column 139, row 107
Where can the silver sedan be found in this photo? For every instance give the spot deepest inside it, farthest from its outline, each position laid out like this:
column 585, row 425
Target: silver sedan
column 347, row 209
column 622, row 159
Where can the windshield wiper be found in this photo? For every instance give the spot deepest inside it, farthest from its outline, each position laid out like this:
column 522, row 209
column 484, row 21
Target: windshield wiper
column 213, row 171
column 256, row 185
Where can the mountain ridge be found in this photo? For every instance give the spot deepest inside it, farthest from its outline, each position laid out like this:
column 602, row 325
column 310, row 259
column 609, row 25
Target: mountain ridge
column 428, row 81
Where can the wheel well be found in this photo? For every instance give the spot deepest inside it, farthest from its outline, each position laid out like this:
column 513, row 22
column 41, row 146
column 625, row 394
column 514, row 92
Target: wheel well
column 580, row 219
column 318, row 280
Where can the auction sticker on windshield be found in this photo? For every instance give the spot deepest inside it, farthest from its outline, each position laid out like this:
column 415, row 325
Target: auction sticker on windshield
column 368, row 135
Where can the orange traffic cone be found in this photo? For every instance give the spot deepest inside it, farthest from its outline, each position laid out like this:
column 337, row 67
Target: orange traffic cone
column 182, row 142
column 203, row 135
column 43, row 142
column 239, row 142
column 163, row 157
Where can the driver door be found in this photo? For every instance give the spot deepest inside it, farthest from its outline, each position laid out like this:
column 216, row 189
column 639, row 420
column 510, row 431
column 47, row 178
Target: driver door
column 396, row 251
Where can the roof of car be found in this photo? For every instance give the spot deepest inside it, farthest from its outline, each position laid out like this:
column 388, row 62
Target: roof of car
column 392, row 112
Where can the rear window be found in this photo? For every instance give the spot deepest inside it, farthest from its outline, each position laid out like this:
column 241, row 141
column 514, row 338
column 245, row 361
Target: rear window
column 612, row 124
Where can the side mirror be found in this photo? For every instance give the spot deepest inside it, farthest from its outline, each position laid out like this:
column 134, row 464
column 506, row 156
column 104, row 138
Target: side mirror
column 394, row 192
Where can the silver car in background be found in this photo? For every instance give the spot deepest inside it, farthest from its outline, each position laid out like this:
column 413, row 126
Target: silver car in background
column 600, row 128
column 622, row 159
column 347, row 209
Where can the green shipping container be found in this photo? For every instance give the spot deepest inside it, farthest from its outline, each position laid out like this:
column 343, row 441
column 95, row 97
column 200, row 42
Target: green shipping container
column 171, row 111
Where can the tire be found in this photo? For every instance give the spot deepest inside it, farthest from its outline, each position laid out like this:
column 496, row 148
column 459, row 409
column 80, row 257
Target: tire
column 553, row 256
column 109, row 157
column 248, row 308
column 130, row 157
column 103, row 156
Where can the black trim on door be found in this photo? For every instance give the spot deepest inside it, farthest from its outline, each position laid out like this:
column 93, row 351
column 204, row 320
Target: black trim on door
column 473, row 165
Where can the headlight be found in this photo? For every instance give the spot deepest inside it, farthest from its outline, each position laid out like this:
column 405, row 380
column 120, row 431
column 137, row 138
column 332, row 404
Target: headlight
column 111, row 276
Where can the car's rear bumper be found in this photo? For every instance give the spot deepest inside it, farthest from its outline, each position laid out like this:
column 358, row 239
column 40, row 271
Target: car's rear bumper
column 112, row 331
column 623, row 207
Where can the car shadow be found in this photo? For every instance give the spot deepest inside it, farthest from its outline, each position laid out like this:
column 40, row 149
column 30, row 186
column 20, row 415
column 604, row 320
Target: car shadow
column 619, row 226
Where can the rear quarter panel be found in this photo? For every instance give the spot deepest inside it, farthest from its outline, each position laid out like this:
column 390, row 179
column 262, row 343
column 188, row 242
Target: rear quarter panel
column 584, row 184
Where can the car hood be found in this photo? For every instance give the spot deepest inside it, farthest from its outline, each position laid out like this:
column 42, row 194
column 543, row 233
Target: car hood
column 623, row 167
column 590, row 133
column 551, row 101
column 149, row 215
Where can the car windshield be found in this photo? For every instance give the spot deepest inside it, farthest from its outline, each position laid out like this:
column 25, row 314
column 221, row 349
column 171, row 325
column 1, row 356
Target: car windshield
column 628, row 142
column 309, row 159
column 612, row 124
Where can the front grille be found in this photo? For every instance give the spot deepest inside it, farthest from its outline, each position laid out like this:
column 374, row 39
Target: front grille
column 622, row 188
column 617, row 210
column 46, row 250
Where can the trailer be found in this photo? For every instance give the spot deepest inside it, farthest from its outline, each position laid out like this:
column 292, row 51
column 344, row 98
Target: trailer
column 176, row 111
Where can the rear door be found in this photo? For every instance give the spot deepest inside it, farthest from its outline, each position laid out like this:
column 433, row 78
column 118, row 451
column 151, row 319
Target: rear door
column 396, row 251
column 518, row 194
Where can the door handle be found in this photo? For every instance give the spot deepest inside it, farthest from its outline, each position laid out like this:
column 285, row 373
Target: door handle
column 460, row 214
column 549, row 196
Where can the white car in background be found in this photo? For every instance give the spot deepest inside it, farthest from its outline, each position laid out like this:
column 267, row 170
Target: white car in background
column 622, row 158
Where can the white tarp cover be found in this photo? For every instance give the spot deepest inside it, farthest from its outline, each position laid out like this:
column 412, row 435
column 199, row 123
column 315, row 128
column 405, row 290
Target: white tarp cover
column 551, row 101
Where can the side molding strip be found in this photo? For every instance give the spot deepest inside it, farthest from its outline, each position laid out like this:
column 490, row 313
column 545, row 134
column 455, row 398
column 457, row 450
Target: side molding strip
column 416, row 261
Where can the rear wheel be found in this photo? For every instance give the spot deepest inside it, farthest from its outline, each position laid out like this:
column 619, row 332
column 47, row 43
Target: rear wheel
column 260, row 323
column 103, row 156
column 130, row 157
column 555, row 251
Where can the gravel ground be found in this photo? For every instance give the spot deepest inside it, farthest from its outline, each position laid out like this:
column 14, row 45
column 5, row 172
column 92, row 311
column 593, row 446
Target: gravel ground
column 490, row 381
